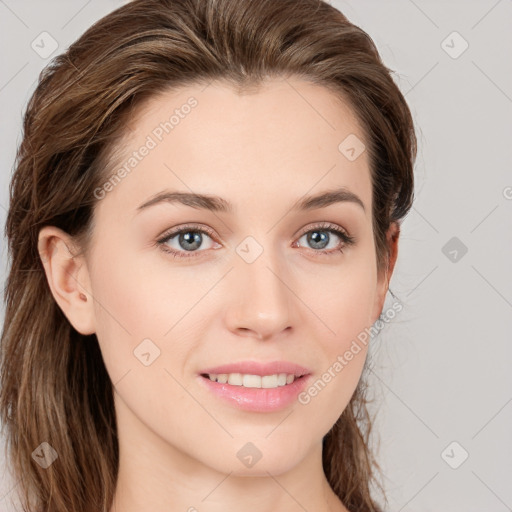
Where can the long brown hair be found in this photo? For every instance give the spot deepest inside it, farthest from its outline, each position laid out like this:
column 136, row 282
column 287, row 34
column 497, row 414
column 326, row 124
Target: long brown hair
column 54, row 385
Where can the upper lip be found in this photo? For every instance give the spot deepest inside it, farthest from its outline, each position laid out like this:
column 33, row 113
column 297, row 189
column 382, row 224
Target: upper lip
column 257, row 368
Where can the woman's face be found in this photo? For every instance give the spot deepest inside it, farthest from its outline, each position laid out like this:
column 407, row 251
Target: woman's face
column 246, row 282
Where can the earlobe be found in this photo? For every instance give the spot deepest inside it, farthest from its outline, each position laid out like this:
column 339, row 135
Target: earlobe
column 67, row 277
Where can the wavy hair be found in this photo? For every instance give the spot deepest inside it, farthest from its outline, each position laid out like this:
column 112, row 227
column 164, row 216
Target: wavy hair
column 54, row 385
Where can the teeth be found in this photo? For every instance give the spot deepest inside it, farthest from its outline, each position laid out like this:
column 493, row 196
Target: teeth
column 268, row 381
column 253, row 381
column 235, row 379
column 222, row 378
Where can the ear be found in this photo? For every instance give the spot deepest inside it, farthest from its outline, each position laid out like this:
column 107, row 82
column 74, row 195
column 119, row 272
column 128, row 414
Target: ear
column 384, row 278
column 68, row 278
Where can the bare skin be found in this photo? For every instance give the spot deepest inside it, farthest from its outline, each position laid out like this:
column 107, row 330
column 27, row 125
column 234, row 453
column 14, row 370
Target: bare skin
column 262, row 152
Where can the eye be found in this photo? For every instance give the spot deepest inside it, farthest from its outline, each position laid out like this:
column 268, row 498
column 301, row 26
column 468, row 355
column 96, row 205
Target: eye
column 321, row 237
column 185, row 240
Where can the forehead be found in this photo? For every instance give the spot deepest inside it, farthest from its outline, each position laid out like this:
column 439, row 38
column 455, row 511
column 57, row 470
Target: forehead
column 287, row 136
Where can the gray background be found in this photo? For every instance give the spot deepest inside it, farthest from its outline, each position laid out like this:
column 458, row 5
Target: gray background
column 441, row 370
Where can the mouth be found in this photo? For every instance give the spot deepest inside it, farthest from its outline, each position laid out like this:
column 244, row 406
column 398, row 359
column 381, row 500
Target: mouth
column 256, row 387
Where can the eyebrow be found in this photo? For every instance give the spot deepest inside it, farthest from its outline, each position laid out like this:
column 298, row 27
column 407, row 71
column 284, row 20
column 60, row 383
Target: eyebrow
column 218, row 204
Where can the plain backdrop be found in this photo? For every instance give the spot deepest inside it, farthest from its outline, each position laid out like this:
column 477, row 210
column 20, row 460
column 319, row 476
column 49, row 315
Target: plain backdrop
column 441, row 371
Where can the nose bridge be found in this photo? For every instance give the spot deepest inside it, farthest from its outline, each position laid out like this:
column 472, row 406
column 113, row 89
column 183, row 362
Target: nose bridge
column 261, row 299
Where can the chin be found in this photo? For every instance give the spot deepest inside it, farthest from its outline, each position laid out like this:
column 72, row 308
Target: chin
column 259, row 459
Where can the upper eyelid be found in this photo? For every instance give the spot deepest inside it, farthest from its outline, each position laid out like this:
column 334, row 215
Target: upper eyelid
column 192, row 227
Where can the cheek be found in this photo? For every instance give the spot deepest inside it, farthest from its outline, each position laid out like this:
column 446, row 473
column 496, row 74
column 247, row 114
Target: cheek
column 132, row 295
column 126, row 309
column 137, row 300
column 344, row 306
column 343, row 301
column 344, row 354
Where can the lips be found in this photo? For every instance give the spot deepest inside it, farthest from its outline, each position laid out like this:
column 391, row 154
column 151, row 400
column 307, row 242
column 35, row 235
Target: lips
column 237, row 384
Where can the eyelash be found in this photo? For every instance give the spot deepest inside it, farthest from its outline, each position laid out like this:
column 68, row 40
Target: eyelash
column 347, row 240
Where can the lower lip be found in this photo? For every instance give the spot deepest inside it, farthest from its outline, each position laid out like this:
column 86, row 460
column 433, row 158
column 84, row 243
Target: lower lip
column 257, row 399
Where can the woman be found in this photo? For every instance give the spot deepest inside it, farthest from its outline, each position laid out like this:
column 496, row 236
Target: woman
column 204, row 219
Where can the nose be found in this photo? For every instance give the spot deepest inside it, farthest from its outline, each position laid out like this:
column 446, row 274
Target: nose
column 260, row 299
